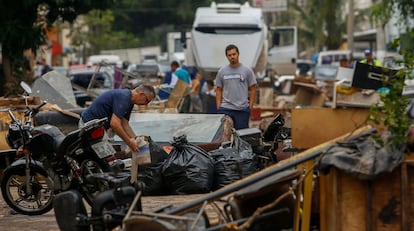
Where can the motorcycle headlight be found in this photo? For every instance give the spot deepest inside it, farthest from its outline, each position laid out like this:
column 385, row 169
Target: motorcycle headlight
column 13, row 136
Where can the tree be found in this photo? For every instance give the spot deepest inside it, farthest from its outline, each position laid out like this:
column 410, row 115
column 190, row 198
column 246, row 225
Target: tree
column 391, row 112
column 309, row 25
column 22, row 26
column 151, row 20
column 321, row 23
column 95, row 31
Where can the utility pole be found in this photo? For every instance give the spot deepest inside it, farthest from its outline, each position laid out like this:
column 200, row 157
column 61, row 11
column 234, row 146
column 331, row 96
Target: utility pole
column 381, row 47
column 350, row 25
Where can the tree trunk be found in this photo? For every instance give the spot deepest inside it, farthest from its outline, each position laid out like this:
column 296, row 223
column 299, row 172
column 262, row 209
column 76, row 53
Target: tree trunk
column 350, row 25
column 9, row 82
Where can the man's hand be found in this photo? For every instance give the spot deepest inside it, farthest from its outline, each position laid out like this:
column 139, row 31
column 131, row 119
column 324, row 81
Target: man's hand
column 132, row 144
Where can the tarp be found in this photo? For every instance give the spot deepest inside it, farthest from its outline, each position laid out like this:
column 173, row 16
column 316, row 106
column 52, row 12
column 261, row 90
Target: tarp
column 362, row 157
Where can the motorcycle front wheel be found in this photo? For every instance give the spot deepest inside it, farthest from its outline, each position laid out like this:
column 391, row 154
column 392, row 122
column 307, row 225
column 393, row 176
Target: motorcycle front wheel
column 33, row 199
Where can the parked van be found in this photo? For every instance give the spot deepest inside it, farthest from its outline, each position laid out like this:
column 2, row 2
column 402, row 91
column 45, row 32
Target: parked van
column 333, row 57
column 108, row 59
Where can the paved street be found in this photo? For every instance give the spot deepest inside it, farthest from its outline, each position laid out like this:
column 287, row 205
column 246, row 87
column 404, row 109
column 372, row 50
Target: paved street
column 46, row 222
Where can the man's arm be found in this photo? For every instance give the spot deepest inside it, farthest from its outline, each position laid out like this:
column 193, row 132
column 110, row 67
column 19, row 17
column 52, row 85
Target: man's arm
column 127, row 128
column 219, row 96
column 252, row 98
column 117, row 127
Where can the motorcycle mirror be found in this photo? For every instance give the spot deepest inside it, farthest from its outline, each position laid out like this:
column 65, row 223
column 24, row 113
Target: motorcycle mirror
column 26, row 87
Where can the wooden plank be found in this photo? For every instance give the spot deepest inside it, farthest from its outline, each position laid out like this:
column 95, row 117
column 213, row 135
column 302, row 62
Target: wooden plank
column 298, row 205
column 177, row 93
column 56, row 107
column 328, row 191
column 344, row 207
column 314, row 126
column 307, row 196
column 360, row 205
column 404, row 198
column 266, row 97
column 3, row 143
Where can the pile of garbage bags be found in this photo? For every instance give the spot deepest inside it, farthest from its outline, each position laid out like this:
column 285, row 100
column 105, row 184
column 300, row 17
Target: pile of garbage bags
column 189, row 169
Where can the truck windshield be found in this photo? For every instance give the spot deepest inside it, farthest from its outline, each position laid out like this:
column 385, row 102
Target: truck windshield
column 283, row 37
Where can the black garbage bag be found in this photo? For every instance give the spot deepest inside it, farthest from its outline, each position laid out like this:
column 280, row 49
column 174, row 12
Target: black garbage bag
column 158, row 154
column 153, row 180
column 233, row 163
column 274, row 128
column 188, row 169
column 362, row 158
column 151, row 175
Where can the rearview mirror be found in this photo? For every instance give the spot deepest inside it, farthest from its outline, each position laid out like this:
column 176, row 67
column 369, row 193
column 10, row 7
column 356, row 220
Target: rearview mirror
column 26, row 87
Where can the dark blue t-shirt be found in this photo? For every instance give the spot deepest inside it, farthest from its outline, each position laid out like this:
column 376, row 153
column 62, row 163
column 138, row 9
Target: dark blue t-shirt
column 116, row 102
column 164, row 94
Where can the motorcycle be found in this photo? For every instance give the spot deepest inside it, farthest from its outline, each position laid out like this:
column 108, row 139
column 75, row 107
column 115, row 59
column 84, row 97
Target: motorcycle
column 52, row 162
column 108, row 209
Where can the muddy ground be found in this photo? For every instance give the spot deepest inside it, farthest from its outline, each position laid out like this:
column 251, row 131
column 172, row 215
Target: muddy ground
column 47, row 222
column 11, row 221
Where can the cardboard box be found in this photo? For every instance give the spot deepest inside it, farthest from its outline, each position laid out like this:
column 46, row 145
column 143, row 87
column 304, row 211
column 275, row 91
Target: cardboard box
column 309, row 95
column 314, row 126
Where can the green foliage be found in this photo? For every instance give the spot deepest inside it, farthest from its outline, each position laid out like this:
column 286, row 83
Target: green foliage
column 321, row 23
column 22, row 26
column 141, row 17
column 96, row 30
column 19, row 21
column 391, row 112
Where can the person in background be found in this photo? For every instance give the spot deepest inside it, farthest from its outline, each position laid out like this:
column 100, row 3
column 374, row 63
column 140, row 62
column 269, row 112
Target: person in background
column 209, row 97
column 235, row 89
column 164, row 92
column 116, row 105
column 327, row 60
column 171, row 79
column 369, row 59
column 181, row 74
column 196, row 104
column 45, row 67
column 344, row 62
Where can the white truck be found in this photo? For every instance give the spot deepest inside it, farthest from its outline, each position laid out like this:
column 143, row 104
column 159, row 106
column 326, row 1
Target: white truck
column 221, row 24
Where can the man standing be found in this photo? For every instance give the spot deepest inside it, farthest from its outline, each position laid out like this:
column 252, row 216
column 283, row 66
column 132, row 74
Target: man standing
column 369, row 59
column 236, row 89
column 116, row 105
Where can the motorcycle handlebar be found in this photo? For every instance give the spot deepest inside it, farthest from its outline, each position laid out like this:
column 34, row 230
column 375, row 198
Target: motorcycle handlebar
column 33, row 111
column 12, row 116
column 36, row 109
